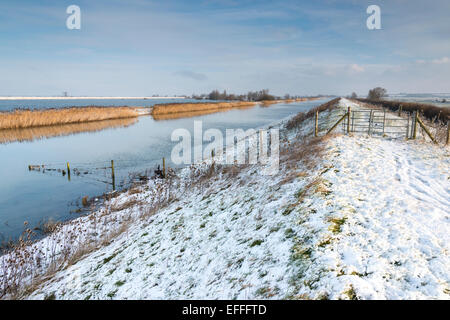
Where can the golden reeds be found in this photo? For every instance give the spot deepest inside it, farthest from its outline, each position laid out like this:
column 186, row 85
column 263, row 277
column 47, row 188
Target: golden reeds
column 169, row 108
column 35, row 133
column 190, row 114
column 19, row 119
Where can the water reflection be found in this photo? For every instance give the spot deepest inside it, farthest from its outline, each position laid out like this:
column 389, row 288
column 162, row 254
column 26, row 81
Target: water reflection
column 37, row 133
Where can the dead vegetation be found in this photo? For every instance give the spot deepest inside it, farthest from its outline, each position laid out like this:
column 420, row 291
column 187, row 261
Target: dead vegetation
column 20, row 119
column 169, row 108
column 26, row 263
column 35, row 133
column 190, row 114
column 296, row 121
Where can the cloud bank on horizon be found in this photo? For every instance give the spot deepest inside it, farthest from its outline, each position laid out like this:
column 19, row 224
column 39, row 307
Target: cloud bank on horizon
column 138, row 48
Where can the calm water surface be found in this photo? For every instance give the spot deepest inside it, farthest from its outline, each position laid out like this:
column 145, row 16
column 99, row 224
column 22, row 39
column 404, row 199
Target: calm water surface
column 35, row 196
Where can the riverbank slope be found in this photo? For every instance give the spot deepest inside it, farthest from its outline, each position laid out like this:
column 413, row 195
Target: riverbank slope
column 346, row 217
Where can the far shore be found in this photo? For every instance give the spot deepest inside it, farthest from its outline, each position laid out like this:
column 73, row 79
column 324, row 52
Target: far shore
column 85, row 98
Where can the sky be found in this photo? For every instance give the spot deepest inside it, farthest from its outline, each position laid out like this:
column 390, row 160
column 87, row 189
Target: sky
column 144, row 48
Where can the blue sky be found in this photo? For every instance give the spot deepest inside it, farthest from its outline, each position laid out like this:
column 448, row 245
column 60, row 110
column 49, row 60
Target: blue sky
column 137, row 47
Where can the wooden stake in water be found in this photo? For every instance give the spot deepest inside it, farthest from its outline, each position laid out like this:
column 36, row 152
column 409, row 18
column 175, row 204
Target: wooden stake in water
column 68, row 171
column 113, row 176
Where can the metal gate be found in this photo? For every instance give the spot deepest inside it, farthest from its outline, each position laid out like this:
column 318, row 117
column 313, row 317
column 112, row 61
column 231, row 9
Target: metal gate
column 378, row 122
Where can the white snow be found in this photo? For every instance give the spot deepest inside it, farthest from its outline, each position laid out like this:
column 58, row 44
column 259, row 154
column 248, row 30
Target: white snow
column 374, row 225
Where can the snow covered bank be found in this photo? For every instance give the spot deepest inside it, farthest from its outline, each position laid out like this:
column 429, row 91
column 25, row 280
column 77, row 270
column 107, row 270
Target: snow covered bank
column 346, row 217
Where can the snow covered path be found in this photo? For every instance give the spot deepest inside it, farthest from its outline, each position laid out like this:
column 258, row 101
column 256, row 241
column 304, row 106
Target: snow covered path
column 371, row 221
column 395, row 198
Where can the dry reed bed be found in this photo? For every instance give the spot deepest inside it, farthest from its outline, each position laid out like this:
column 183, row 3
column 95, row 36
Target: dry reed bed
column 168, row 108
column 19, row 119
column 35, row 133
column 267, row 103
column 190, row 114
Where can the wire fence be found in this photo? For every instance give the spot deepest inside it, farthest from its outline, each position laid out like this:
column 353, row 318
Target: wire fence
column 381, row 122
column 102, row 171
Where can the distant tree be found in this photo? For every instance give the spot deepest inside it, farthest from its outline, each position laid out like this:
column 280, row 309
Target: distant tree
column 214, row 95
column 377, row 93
column 287, row 96
column 354, row 95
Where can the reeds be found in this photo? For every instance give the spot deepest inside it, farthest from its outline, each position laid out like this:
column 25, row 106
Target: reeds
column 190, row 114
column 36, row 133
column 20, row 119
column 169, row 108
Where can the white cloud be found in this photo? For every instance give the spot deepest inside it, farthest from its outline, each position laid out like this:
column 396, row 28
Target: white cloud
column 357, row 68
column 441, row 61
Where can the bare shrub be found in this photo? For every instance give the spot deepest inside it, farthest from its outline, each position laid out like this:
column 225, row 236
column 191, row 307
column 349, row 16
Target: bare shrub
column 429, row 111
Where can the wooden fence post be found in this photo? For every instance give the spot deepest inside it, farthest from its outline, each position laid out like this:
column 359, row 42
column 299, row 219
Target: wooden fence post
column 348, row 120
column 448, row 133
column 407, row 126
column 336, row 124
column 415, row 125
column 422, row 125
column 400, row 110
column 68, row 171
column 113, row 176
column 316, row 127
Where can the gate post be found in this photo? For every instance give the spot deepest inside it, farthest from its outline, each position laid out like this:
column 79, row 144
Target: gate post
column 407, row 127
column 370, row 121
column 348, row 120
column 415, row 125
